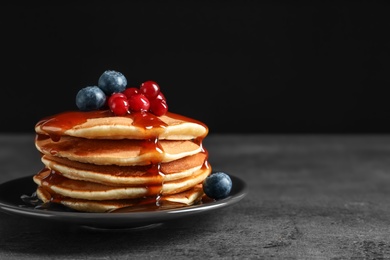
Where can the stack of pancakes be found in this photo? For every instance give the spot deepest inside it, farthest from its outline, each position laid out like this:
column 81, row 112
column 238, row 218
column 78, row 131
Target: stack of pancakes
column 98, row 162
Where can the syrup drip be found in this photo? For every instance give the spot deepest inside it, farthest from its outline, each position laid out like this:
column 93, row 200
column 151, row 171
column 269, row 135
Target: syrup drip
column 147, row 121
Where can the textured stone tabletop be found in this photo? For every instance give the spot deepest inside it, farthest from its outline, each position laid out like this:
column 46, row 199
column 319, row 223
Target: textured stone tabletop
column 309, row 197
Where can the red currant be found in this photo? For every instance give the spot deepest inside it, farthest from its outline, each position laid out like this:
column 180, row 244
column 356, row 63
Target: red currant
column 130, row 91
column 119, row 106
column 114, row 96
column 161, row 96
column 138, row 102
column 150, row 89
column 158, row 107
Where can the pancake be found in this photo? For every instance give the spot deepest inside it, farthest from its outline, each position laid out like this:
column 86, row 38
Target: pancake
column 181, row 199
column 103, row 124
column 78, row 189
column 126, row 175
column 125, row 152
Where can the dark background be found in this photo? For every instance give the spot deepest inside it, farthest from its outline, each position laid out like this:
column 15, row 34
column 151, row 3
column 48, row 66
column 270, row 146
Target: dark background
column 239, row 66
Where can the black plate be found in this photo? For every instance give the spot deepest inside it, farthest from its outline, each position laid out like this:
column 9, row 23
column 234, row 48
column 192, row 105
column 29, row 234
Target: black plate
column 11, row 202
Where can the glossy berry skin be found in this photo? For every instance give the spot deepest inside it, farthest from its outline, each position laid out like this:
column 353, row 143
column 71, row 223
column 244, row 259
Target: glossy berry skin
column 150, row 89
column 217, row 185
column 90, row 98
column 158, row 107
column 114, row 96
column 112, row 81
column 119, row 106
column 161, row 96
column 138, row 102
column 128, row 92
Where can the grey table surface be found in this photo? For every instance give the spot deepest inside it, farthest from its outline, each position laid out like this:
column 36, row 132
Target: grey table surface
column 309, row 197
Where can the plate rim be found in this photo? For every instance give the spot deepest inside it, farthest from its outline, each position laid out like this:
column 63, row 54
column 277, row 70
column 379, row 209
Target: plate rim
column 130, row 218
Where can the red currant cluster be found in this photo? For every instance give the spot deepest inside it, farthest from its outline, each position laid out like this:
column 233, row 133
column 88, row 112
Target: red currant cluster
column 147, row 97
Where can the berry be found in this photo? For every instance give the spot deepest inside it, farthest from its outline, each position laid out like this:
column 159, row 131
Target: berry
column 161, row 96
column 114, row 96
column 111, row 92
column 112, row 81
column 119, row 106
column 90, row 98
column 217, row 185
column 150, row 89
column 138, row 102
column 130, row 91
column 158, row 107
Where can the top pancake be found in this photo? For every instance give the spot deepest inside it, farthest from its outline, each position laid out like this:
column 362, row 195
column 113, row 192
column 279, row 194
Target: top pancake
column 103, row 124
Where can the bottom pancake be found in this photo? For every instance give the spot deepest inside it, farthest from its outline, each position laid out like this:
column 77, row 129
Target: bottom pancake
column 87, row 196
column 182, row 199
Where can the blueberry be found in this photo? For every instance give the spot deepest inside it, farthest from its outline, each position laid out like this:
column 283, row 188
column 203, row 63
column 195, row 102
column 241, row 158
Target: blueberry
column 112, row 81
column 217, row 185
column 90, row 98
